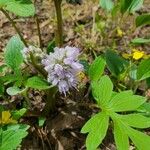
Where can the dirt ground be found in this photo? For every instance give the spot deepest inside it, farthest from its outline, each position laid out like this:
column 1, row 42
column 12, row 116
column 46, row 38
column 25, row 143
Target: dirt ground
column 62, row 128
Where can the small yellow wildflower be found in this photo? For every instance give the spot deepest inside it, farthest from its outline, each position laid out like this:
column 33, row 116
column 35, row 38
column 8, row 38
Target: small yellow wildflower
column 120, row 33
column 6, row 118
column 137, row 54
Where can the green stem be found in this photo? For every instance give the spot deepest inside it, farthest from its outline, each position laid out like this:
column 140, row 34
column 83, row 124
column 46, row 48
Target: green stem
column 50, row 101
column 38, row 67
column 39, row 31
column 15, row 27
column 59, row 32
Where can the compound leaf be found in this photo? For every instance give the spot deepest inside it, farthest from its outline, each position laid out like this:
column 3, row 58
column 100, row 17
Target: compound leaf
column 121, row 138
column 126, row 102
column 97, row 68
column 97, row 132
column 136, row 120
column 102, row 90
column 90, row 124
column 140, row 140
column 12, row 138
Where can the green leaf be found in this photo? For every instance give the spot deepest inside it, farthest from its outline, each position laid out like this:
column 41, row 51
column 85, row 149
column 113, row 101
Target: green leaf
column 12, row 54
column 97, row 68
column 121, row 138
column 11, row 139
column 13, row 90
column 17, row 114
column 107, row 4
column 140, row 139
column 90, row 124
column 1, row 88
column 3, row 3
column 102, row 90
column 41, row 121
column 130, row 5
column 97, row 131
column 133, row 72
column 37, row 83
column 136, row 120
column 145, row 109
column 23, row 8
column 115, row 63
column 2, row 67
column 140, row 41
column 124, row 101
column 143, row 20
column 143, row 70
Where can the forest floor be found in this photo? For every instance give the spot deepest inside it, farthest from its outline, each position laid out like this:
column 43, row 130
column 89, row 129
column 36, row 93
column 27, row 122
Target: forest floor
column 61, row 130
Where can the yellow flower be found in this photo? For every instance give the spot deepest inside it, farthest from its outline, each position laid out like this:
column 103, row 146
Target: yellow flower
column 120, row 33
column 6, row 118
column 137, row 54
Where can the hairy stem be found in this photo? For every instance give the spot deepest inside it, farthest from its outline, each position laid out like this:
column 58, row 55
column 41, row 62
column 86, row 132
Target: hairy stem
column 15, row 27
column 59, row 32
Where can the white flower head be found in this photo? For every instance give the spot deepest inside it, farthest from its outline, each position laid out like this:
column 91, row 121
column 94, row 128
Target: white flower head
column 63, row 66
column 37, row 52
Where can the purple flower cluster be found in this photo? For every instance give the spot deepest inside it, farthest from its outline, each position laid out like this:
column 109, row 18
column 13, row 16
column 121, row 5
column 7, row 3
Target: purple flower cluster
column 63, row 67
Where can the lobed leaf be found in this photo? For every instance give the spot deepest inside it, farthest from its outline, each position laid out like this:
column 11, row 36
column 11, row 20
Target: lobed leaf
column 136, row 120
column 124, row 101
column 140, row 140
column 121, row 138
column 12, row 138
column 90, row 124
column 97, row 132
column 102, row 90
column 97, row 68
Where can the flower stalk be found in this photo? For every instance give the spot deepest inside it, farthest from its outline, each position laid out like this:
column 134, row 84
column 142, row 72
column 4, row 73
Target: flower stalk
column 59, row 31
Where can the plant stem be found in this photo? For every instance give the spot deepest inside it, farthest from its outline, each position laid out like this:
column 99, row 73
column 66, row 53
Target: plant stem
column 39, row 31
column 50, row 101
column 59, row 32
column 37, row 67
column 14, row 25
